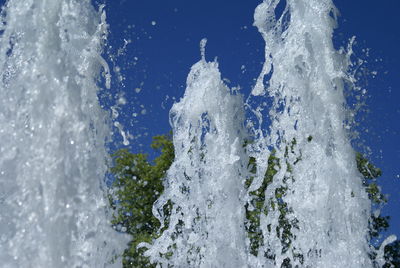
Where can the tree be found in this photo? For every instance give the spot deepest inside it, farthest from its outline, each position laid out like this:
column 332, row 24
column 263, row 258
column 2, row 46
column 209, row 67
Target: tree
column 139, row 182
column 379, row 223
column 392, row 255
column 260, row 205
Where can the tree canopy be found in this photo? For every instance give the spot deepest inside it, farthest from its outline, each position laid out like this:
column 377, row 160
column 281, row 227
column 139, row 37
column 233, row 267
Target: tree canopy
column 139, row 182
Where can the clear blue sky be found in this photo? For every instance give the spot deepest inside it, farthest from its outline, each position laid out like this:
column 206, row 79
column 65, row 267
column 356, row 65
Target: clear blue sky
column 165, row 39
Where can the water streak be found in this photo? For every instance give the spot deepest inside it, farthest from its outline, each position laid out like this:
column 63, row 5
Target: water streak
column 316, row 210
column 326, row 206
column 52, row 136
column 204, row 188
column 53, row 157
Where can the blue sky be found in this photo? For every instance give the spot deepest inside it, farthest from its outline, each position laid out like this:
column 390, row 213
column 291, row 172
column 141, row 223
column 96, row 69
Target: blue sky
column 163, row 44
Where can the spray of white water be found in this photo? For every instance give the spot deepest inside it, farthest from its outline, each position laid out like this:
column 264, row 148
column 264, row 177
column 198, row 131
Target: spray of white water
column 205, row 189
column 52, row 136
column 326, row 206
column 316, row 209
column 52, row 151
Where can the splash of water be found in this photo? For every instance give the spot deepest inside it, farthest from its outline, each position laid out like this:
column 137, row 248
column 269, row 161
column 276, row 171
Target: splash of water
column 204, row 192
column 317, row 210
column 326, row 206
column 52, row 136
column 52, row 145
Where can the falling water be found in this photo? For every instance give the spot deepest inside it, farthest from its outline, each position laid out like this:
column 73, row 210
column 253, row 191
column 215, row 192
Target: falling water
column 52, row 136
column 326, row 205
column 316, row 211
column 204, row 192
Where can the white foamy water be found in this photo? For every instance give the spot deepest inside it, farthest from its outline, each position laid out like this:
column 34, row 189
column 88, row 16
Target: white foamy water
column 327, row 206
column 52, row 136
column 206, row 227
column 316, row 193
column 53, row 157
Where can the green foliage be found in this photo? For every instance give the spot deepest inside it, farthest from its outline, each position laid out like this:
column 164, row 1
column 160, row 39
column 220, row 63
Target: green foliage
column 258, row 206
column 368, row 170
column 392, row 255
column 138, row 184
column 378, row 224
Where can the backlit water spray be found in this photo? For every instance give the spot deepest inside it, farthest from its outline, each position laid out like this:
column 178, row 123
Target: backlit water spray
column 326, row 206
column 53, row 132
column 205, row 190
column 316, row 211
column 52, row 136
